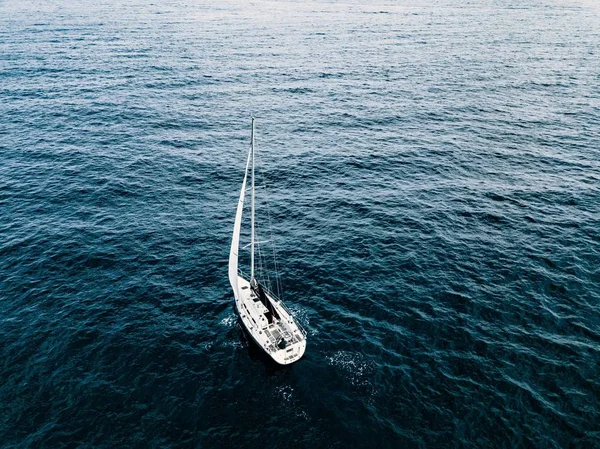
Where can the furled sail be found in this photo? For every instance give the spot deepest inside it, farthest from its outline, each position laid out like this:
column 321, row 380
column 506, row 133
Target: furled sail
column 235, row 240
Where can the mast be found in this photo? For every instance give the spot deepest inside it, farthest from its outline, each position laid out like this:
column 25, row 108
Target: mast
column 252, row 213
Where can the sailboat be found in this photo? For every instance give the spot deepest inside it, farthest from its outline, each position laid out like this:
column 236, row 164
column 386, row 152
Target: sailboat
column 266, row 319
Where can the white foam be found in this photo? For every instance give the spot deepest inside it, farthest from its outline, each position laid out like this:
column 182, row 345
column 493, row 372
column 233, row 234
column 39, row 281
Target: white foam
column 357, row 368
column 286, row 392
column 301, row 315
column 229, row 320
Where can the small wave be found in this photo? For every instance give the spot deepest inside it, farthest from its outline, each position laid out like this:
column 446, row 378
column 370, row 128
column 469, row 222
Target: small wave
column 354, row 366
column 285, row 392
column 301, row 315
column 295, row 90
column 207, row 345
column 229, row 321
column 234, row 343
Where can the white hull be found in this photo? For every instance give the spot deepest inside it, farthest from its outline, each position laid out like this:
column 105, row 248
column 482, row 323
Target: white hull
column 268, row 335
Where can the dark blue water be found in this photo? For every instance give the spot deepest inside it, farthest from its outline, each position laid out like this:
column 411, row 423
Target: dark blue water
column 434, row 173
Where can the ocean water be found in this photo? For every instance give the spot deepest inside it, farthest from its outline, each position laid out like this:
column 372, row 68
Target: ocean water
column 434, row 178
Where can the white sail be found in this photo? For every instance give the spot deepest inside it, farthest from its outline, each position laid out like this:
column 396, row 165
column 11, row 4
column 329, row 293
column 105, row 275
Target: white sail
column 235, row 241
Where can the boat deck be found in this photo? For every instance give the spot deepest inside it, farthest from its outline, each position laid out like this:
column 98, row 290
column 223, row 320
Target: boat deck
column 280, row 336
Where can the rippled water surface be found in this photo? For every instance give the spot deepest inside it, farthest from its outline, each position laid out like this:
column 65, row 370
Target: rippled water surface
column 434, row 178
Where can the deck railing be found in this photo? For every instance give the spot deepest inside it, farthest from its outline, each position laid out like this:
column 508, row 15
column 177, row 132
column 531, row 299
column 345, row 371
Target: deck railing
column 279, row 302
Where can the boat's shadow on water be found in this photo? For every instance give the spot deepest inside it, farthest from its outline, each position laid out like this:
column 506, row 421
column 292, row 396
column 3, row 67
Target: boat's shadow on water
column 258, row 354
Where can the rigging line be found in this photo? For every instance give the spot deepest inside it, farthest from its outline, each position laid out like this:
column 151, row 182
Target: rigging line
column 265, row 271
column 264, row 200
column 278, row 286
column 261, row 177
column 257, row 242
column 262, row 267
